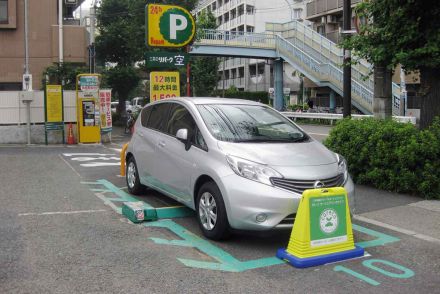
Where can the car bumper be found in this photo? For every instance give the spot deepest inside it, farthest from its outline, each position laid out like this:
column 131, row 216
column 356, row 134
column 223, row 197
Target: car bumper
column 245, row 200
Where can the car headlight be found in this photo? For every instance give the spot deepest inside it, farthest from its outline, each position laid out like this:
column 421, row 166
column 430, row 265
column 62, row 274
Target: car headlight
column 252, row 170
column 342, row 166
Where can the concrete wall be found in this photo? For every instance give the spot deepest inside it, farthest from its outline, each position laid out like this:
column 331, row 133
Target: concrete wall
column 12, row 111
column 18, row 135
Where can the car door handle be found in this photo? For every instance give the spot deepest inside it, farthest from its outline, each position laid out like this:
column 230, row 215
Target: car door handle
column 141, row 135
column 161, row 144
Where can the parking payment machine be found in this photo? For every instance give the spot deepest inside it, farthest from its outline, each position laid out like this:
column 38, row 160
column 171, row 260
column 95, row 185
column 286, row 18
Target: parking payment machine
column 88, row 110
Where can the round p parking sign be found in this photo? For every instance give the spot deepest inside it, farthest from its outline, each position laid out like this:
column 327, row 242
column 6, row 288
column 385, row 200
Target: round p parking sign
column 168, row 26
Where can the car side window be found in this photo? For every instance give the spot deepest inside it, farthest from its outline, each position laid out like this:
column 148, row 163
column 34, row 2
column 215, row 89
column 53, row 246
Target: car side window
column 198, row 140
column 145, row 115
column 158, row 117
column 180, row 118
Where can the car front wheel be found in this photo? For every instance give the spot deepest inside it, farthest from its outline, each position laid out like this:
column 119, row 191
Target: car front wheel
column 132, row 177
column 211, row 212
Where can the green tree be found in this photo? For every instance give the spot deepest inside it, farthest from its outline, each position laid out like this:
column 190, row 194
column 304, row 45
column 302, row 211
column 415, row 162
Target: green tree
column 64, row 74
column 405, row 32
column 121, row 41
column 205, row 69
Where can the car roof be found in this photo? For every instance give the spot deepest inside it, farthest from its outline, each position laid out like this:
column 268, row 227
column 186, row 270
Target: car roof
column 211, row 100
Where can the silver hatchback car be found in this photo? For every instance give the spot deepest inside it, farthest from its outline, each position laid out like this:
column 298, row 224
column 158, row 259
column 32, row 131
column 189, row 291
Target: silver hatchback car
column 239, row 164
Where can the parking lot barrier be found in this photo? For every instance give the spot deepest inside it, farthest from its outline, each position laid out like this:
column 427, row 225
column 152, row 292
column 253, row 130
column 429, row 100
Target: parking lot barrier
column 322, row 231
column 139, row 211
column 124, row 149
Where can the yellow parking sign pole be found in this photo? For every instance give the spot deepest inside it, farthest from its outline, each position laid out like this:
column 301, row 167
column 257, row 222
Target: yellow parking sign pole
column 322, row 231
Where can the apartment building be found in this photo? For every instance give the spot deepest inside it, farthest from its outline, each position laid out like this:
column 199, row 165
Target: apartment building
column 251, row 16
column 42, row 39
column 326, row 17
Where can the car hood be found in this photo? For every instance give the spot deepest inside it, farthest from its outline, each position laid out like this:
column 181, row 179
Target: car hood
column 310, row 153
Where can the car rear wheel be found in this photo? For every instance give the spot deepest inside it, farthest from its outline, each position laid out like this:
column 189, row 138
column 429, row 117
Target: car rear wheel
column 211, row 212
column 132, row 177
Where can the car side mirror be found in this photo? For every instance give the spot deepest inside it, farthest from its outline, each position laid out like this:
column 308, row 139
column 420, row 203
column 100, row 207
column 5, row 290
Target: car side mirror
column 182, row 135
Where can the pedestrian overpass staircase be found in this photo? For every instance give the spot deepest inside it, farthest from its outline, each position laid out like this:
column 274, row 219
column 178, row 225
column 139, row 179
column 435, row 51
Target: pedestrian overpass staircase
column 318, row 58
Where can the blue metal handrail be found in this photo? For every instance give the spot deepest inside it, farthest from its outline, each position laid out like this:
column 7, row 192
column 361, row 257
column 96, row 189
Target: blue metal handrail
column 299, row 47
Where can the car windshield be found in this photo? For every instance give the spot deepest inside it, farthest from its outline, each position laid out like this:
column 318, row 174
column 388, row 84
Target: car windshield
column 249, row 123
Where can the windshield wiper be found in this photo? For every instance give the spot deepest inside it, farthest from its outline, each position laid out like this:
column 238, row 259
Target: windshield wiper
column 263, row 140
column 302, row 139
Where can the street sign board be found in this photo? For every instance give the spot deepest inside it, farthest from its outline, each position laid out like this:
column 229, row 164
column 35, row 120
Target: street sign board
column 54, row 103
column 164, row 84
column 168, row 26
column 163, row 59
column 89, row 83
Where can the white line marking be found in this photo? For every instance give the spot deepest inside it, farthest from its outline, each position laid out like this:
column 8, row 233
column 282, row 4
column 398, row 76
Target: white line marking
column 86, row 154
column 62, row 212
column 432, row 205
column 117, row 149
column 317, row 134
column 397, row 229
column 107, row 202
column 82, row 159
column 96, row 164
column 69, row 165
column 366, row 254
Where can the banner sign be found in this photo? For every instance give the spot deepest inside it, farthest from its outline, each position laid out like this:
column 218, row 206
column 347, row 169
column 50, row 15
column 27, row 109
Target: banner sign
column 164, row 84
column 168, row 26
column 105, row 98
column 54, row 103
column 327, row 220
column 166, row 59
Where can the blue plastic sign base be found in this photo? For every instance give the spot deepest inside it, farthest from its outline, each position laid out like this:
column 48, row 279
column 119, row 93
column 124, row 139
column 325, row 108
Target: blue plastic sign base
column 319, row 260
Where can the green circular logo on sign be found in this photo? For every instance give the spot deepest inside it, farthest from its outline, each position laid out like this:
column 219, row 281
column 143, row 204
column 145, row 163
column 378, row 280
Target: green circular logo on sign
column 328, row 221
column 176, row 26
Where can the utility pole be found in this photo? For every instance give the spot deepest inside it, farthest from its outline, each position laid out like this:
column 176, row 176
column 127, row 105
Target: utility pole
column 27, row 78
column 346, row 30
column 60, row 32
column 26, row 34
column 92, row 38
column 223, row 77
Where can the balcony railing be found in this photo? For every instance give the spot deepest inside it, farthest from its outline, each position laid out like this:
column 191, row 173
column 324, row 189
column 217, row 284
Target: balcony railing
column 318, row 7
column 237, row 82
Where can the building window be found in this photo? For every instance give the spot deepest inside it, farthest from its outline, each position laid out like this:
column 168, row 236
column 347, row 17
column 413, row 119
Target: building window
column 297, row 13
column 3, row 11
column 250, row 9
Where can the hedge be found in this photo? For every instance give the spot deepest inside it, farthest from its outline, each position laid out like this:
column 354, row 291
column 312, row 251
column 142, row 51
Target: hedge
column 390, row 155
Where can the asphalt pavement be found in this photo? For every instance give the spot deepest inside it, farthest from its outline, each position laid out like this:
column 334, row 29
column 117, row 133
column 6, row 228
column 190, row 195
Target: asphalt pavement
column 62, row 232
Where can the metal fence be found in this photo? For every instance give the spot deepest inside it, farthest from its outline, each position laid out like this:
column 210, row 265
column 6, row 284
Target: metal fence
column 333, row 116
column 13, row 112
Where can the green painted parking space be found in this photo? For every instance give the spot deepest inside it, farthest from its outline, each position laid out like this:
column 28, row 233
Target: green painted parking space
column 224, row 260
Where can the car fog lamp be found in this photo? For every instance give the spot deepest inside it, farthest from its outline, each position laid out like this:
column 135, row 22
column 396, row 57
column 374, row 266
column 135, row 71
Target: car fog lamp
column 261, row 217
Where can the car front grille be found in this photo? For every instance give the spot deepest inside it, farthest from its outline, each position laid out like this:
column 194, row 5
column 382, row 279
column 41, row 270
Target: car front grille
column 298, row 186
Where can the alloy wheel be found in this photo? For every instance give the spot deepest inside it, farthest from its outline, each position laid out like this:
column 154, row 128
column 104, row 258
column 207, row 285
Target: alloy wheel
column 131, row 174
column 208, row 211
